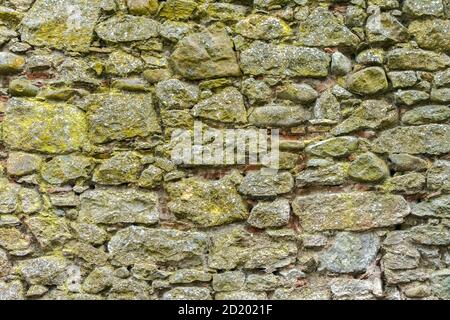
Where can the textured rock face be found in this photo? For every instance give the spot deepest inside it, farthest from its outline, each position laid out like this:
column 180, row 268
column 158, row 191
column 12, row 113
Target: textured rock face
column 103, row 102
column 350, row 211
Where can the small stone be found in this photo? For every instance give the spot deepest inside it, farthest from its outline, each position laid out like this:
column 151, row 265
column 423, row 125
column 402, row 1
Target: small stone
column 28, row 122
column 411, row 97
column 431, row 34
column 440, row 283
column 419, row 8
column 131, row 84
column 354, row 211
column 327, row 107
column 436, row 207
column 352, row 289
column 323, row 29
column 30, row 200
column 123, row 167
column 227, row 106
column 127, row 28
column 371, row 57
column 257, row 184
column 335, row 147
column 269, row 59
column 371, row 114
column 8, row 196
column 117, row 205
column 142, row 7
column 416, row 59
column 61, row 24
column 385, row 28
column 117, row 116
column 187, row 293
column 48, row 229
column 22, row 88
column 151, row 177
column 206, row 203
column 327, row 175
column 135, row 244
column 297, row 93
column 64, row 169
column 189, row 276
column 175, row 94
column 425, row 139
column 368, row 167
column 228, row 281
column 174, row 30
column 368, row 81
column 409, row 183
column 350, row 253
column 263, row 27
column 224, row 12
column 406, row 162
column 256, row 91
column 438, row 176
column 278, row 116
column 431, row 235
column 98, row 280
column 440, row 95
column 120, row 63
column 13, row 290
column 46, row 270
column 205, row 55
column 178, row 9
column 340, row 64
column 442, row 79
column 426, row 114
column 270, row 214
column 21, row 164
column 12, row 239
column 402, row 79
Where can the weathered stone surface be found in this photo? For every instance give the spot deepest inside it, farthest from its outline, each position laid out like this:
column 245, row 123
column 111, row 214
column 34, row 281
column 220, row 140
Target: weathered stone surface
column 228, row 281
column 384, row 28
column 30, row 200
column 440, row 283
column 406, row 162
column 13, row 290
column 367, row 81
column 371, row 114
column 120, row 63
column 12, row 239
column 409, row 183
column 8, row 196
column 350, row 253
column 234, row 246
column 189, row 276
column 175, row 94
column 21, row 163
column 63, row 169
column 263, row 27
column 298, row 93
column 431, row 34
column 416, row 59
column 227, row 106
column 61, row 24
column 278, row 116
column 419, row 8
column 438, row 176
column 48, row 229
column 270, row 214
column 411, row 97
column 334, row 147
column 187, row 293
column 142, row 7
column 46, row 270
column 178, row 9
column 206, row 203
column 425, row 139
column 205, row 55
column 354, row 211
column 31, row 125
column 327, row 175
column 426, row 114
column 435, row 207
column 440, row 95
column 163, row 246
column 127, row 28
column 368, row 167
column 116, row 116
column 11, row 63
column 340, row 64
column 117, row 205
column 323, row 29
column 327, row 107
column 352, row 289
column 123, row 167
column 402, row 79
column 262, row 58
column 258, row 184
column 432, row 235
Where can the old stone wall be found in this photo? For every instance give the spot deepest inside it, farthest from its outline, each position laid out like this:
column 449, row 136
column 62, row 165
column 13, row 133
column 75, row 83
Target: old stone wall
column 93, row 207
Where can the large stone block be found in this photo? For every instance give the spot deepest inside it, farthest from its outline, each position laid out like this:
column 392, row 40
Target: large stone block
column 355, row 211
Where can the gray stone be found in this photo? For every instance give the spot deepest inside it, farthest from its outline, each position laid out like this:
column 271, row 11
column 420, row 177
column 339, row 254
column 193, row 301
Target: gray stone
column 268, row 59
column 436, row 207
column 334, row 147
column 205, row 55
column 189, row 276
column 278, row 116
column 127, row 28
column 426, row 114
column 353, row 211
column 402, row 79
column 416, row 59
column 385, row 28
column 187, row 293
column 228, row 281
column 367, row 167
column 431, row 34
column 327, row 107
column 406, row 162
column 61, row 24
column 258, row 184
column 438, row 176
column 350, row 253
column 409, row 183
column 270, row 214
column 297, row 93
column 367, row 81
column 426, row 139
column 21, row 164
column 64, row 169
column 440, row 95
column 419, row 8
column 46, row 270
column 134, row 245
column 340, row 64
column 263, row 27
column 175, row 94
column 9, row 200
column 122, row 167
column 116, row 116
column 11, row 63
column 328, row 175
column 227, row 106
column 411, row 97
column 431, row 235
column 13, row 290
column 119, row 205
column 206, row 202
column 120, row 63
column 241, row 295
column 352, row 289
column 440, row 283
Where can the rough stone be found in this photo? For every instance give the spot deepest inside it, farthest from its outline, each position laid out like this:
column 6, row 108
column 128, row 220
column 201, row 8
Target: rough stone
column 368, row 167
column 278, row 116
column 11, row 63
column 206, row 203
column 436, row 207
column 263, row 27
column 270, row 214
column 257, row 184
column 31, row 125
column 431, row 34
column 64, row 169
column 61, row 24
column 187, row 293
column 420, row 8
column 368, row 81
column 117, row 205
column 175, row 94
column 123, row 167
column 416, row 59
column 355, row 211
column 228, row 281
column 335, row 147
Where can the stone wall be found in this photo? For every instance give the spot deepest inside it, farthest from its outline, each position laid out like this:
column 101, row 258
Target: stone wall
column 92, row 207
